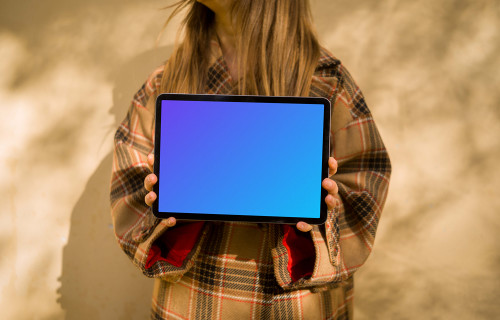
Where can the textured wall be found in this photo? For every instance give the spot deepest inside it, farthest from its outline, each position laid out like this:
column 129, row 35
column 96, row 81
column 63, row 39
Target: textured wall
column 430, row 74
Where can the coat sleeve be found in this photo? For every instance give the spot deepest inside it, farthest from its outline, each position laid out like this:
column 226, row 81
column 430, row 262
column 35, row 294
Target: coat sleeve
column 345, row 241
column 142, row 236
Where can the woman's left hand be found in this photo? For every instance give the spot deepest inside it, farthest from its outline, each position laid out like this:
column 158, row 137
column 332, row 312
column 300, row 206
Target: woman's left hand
column 332, row 189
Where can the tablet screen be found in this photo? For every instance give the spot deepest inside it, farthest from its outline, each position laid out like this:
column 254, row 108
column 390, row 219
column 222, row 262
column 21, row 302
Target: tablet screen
column 260, row 159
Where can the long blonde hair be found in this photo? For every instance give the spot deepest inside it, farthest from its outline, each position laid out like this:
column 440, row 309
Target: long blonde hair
column 277, row 48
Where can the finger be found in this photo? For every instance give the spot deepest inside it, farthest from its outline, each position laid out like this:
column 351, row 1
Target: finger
column 150, row 198
column 330, row 186
column 150, row 181
column 331, row 202
column 333, row 166
column 304, row 227
column 171, row 221
column 151, row 161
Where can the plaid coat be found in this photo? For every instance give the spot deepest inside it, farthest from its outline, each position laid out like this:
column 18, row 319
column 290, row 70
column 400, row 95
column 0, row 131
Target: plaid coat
column 225, row 270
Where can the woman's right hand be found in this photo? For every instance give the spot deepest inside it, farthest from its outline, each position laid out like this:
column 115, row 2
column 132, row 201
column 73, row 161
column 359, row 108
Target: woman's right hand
column 150, row 180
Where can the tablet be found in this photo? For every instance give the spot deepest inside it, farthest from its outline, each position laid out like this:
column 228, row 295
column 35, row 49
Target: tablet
column 241, row 158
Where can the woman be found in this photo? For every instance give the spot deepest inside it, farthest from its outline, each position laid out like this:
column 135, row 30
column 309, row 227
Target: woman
column 206, row 270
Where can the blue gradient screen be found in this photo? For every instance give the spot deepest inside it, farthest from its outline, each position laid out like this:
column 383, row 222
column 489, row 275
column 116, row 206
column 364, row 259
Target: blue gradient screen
column 241, row 158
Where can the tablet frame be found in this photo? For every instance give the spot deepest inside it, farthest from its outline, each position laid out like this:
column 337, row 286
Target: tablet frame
column 244, row 98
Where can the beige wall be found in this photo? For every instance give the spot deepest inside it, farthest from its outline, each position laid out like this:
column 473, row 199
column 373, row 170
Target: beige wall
column 429, row 70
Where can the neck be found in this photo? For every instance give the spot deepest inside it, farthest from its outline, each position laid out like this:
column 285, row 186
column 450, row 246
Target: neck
column 227, row 39
column 225, row 32
column 224, row 28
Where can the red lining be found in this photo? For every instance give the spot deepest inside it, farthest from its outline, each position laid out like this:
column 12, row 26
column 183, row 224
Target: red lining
column 175, row 244
column 301, row 254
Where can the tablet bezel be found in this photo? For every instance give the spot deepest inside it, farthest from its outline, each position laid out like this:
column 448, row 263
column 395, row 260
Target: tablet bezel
column 244, row 98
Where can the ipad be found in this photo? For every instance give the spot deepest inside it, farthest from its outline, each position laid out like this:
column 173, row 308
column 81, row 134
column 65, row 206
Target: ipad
column 241, row 158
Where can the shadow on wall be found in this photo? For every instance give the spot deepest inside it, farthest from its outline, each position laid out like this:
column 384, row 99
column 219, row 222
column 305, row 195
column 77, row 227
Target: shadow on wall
column 98, row 280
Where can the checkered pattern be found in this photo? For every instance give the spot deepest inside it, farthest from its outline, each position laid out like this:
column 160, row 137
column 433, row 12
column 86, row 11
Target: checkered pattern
column 240, row 270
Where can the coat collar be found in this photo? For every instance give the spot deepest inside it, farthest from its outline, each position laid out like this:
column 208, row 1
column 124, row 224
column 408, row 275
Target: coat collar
column 221, row 82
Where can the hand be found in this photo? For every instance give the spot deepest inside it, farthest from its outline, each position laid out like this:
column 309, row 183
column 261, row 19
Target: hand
column 150, row 180
column 332, row 189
